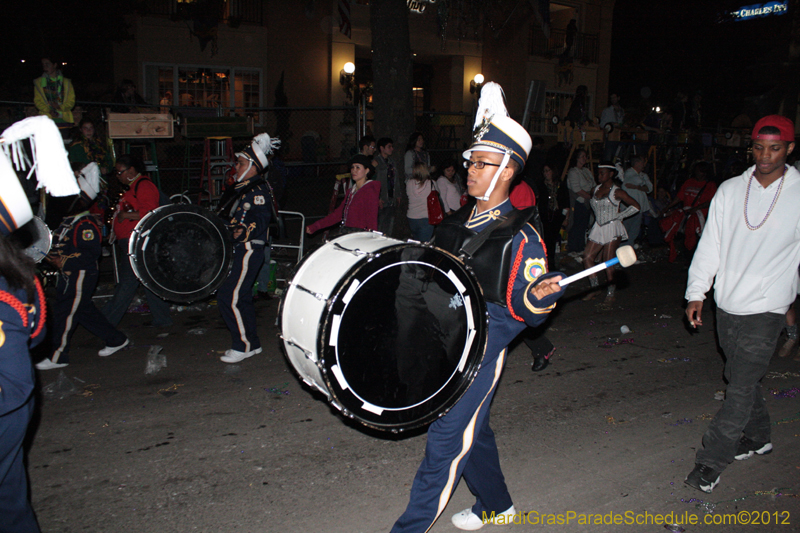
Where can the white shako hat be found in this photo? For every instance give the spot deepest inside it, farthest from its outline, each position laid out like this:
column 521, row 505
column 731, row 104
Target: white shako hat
column 257, row 152
column 495, row 131
column 49, row 161
column 89, row 180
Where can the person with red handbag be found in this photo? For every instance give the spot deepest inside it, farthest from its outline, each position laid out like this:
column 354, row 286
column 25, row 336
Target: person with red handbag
column 421, row 214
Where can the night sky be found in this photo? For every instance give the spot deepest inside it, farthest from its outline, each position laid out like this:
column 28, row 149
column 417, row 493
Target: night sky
column 665, row 45
column 679, row 45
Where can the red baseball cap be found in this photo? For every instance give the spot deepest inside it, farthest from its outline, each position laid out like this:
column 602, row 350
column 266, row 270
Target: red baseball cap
column 784, row 125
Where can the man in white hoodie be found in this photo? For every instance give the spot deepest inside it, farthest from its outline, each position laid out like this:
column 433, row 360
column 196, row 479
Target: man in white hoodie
column 751, row 246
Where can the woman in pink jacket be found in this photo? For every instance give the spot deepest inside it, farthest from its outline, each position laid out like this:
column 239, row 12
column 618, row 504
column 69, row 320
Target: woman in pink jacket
column 360, row 206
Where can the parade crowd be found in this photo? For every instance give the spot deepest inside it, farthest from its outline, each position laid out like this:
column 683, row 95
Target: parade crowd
column 739, row 236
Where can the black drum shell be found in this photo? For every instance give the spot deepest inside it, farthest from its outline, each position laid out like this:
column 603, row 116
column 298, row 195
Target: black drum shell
column 182, row 253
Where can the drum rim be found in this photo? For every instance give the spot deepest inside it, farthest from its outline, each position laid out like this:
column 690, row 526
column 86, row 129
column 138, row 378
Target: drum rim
column 291, row 285
column 40, row 225
column 471, row 367
column 167, row 210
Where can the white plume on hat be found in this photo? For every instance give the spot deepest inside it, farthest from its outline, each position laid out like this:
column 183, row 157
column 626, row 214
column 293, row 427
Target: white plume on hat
column 491, row 104
column 266, row 145
column 49, row 160
column 495, row 131
column 89, row 180
column 49, row 156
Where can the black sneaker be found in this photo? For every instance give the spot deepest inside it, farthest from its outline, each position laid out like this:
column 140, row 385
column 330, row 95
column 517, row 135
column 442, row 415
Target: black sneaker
column 702, row 478
column 748, row 448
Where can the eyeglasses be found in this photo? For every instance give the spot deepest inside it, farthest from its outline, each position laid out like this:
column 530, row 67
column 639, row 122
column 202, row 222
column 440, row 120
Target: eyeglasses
column 478, row 164
column 121, row 172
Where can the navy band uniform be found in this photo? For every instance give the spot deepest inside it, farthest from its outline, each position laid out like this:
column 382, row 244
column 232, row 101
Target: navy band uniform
column 79, row 244
column 461, row 443
column 248, row 210
column 235, row 295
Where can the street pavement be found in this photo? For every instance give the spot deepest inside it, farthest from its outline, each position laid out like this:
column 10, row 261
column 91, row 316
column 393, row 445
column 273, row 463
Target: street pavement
column 607, row 432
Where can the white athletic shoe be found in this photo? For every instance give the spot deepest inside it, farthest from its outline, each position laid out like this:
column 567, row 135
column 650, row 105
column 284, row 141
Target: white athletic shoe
column 234, row 356
column 469, row 521
column 108, row 350
column 47, row 364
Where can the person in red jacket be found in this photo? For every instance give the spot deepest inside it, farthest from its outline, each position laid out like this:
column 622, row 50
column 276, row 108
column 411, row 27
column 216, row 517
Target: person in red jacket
column 141, row 197
column 360, row 206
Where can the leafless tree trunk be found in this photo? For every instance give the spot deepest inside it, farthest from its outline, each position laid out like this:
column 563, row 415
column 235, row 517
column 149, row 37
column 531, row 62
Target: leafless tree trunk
column 392, row 93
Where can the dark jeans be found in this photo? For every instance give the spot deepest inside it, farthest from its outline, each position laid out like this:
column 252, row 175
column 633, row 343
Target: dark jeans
column 748, row 342
column 580, row 223
column 386, row 218
column 116, row 308
column 536, row 341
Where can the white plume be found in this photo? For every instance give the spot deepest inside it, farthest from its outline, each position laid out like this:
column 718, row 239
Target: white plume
column 265, row 143
column 50, row 161
column 89, row 180
column 491, row 104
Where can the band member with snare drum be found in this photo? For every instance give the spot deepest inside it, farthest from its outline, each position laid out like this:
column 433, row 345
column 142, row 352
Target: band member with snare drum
column 248, row 212
column 75, row 254
column 508, row 258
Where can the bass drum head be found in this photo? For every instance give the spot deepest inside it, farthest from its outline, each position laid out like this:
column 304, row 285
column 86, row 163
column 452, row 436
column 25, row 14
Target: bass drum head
column 34, row 238
column 403, row 338
column 182, row 253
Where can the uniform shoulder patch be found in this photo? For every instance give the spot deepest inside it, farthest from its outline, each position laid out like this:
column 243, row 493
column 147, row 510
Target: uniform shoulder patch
column 259, row 200
column 535, row 268
column 87, row 234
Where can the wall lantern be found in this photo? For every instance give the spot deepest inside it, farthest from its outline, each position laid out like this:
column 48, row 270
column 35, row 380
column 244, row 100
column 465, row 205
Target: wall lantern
column 476, row 83
column 346, row 76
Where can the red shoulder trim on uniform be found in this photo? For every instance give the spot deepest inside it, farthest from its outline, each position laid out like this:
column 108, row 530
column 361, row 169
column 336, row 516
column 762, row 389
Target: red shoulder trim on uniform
column 42, row 309
column 19, row 307
column 512, row 278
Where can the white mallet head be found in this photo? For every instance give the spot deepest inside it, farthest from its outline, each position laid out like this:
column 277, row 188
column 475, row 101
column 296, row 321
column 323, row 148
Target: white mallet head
column 626, row 256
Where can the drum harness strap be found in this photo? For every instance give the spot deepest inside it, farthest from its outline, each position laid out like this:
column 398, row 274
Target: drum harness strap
column 228, row 205
column 487, row 252
column 474, row 244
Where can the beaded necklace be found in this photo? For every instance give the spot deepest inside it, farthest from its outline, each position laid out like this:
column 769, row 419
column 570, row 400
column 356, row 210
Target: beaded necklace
column 772, row 205
column 349, row 201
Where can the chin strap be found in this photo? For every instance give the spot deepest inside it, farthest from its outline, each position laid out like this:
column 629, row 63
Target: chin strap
column 503, row 165
column 243, row 174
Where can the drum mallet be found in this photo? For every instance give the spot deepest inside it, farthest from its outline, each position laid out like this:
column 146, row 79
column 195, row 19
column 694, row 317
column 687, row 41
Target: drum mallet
column 625, row 257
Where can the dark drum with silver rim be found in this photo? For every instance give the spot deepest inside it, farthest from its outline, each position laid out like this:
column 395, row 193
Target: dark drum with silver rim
column 182, row 253
column 34, row 238
column 392, row 332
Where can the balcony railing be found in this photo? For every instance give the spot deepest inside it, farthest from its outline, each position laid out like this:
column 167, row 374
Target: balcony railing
column 584, row 47
column 233, row 13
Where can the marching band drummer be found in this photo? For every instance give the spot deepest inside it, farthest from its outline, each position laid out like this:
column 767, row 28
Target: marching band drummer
column 140, row 198
column 22, row 309
column 461, row 443
column 75, row 254
column 250, row 215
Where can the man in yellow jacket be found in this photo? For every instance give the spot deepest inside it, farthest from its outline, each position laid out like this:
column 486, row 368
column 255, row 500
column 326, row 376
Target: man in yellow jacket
column 53, row 94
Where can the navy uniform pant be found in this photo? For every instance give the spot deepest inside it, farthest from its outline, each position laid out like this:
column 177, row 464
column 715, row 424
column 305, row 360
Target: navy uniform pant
column 461, row 443
column 74, row 306
column 126, row 289
column 16, row 514
column 235, row 296
column 748, row 342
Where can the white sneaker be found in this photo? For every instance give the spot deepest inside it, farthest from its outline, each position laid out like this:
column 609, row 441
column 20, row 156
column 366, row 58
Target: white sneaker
column 47, row 364
column 234, row 356
column 108, row 350
column 469, row 521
